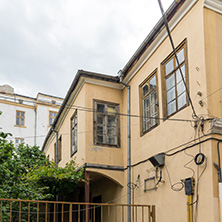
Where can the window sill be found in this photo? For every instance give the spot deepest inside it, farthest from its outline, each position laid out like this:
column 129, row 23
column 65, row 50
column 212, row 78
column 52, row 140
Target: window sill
column 107, row 145
column 74, row 153
column 19, row 126
column 150, row 129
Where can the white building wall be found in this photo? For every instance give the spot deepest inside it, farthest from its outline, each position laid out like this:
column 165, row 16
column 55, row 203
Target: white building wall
column 36, row 124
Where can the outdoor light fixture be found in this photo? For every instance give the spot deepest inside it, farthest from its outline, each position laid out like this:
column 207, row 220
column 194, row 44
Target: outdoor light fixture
column 158, row 160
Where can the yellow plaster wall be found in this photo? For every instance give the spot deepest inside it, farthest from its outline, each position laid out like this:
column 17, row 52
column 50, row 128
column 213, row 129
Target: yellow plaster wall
column 213, row 54
column 102, row 154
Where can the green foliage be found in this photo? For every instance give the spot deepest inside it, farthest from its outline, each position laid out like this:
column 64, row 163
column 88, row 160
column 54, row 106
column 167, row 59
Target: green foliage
column 26, row 173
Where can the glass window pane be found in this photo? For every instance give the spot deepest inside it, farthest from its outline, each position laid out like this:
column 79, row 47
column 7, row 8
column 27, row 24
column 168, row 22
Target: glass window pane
column 153, row 83
column 17, row 113
column 170, row 82
column 171, row 95
column 22, row 114
column 180, row 56
column 100, row 139
column 99, row 130
column 181, row 100
column 55, row 114
column 111, row 132
column 22, row 122
column 17, row 121
column 100, row 108
column 178, row 75
column 111, row 121
column 100, row 120
column 145, row 90
column 169, row 66
column 153, row 98
column 111, row 140
column 180, row 88
column 171, row 107
column 111, row 109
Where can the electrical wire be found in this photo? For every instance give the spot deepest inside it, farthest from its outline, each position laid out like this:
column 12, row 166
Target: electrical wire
column 177, row 60
column 87, row 109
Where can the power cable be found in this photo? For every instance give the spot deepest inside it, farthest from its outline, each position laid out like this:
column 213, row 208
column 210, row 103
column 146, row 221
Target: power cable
column 87, row 109
column 177, row 60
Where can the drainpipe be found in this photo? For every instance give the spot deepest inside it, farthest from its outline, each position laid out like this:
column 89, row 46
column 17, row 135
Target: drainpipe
column 128, row 144
column 56, row 162
column 35, row 110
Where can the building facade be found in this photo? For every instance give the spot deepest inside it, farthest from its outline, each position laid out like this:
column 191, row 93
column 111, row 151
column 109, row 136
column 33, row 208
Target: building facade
column 152, row 135
column 27, row 119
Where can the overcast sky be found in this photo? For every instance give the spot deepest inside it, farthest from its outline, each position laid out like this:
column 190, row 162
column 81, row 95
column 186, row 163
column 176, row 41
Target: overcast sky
column 44, row 42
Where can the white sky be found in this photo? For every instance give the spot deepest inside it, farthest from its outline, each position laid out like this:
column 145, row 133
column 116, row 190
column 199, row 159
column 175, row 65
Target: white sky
column 44, row 42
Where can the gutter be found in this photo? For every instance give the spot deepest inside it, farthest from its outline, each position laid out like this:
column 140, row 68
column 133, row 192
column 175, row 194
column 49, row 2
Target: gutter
column 152, row 36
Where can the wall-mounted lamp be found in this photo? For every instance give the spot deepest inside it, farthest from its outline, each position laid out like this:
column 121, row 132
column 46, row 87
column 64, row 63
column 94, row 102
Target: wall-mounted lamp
column 158, row 160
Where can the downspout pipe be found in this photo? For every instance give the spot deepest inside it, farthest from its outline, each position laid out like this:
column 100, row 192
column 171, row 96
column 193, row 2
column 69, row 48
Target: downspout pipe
column 128, row 144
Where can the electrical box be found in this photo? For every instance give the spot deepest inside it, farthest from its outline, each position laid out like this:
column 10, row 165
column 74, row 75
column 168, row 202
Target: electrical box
column 189, row 186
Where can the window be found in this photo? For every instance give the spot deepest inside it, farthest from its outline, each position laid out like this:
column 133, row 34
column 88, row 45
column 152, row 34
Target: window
column 20, row 101
column 20, row 118
column 18, row 141
column 52, row 116
column 59, row 150
column 53, row 102
column 149, row 103
column 174, row 92
column 106, row 124
column 74, row 134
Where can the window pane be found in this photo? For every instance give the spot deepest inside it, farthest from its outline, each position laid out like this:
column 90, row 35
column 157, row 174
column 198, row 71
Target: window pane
column 182, row 100
column 169, row 66
column 111, row 132
column 170, row 82
column 99, row 120
column 111, row 109
column 100, row 108
column 171, row 107
column 178, row 75
column 112, row 140
column 99, row 130
column 145, row 90
column 17, row 121
column 111, row 121
column 22, row 114
column 180, row 56
column 180, row 88
column 18, row 113
column 100, row 139
column 153, row 83
column 171, row 95
column 22, row 122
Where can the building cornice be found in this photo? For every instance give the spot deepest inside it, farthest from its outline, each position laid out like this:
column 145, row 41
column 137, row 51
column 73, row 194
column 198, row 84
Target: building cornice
column 215, row 5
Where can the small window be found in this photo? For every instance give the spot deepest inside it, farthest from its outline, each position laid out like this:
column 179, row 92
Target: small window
column 74, row 121
column 18, row 141
column 20, row 118
column 149, row 103
column 52, row 116
column 174, row 92
column 59, row 150
column 53, row 102
column 20, row 101
column 106, row 124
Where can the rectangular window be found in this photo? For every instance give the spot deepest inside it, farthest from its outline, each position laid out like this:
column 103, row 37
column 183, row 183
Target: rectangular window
column 149, row 103
column 52, row 116
column 74, row 133
column 59, row 150
column 106, row 124
column 18, row 141
column 174, row 92
column 20, row 118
